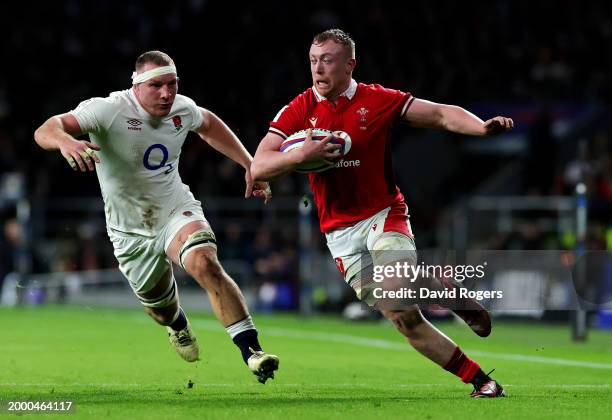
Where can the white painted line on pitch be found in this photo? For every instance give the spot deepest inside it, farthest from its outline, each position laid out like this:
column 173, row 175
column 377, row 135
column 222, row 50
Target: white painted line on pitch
column 392, row 345
column 385, row 344
column 166, row 385
column 540, row 359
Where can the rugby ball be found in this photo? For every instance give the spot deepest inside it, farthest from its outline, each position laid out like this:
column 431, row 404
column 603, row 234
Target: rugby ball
column 296, row 141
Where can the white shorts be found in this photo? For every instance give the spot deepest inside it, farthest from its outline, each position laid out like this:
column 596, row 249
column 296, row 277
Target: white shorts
column 142, row 259
column 354, row 248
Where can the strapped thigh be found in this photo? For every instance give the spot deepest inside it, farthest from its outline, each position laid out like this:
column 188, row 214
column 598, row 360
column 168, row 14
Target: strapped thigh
column 167, row 298
column 385, row 248
column 393, row 246
column 197, row 239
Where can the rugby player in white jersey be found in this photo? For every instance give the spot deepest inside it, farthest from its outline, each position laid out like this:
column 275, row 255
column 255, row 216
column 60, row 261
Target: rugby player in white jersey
column 152, row 218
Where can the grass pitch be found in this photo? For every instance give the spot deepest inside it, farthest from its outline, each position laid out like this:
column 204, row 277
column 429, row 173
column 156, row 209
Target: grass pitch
column 118, row 364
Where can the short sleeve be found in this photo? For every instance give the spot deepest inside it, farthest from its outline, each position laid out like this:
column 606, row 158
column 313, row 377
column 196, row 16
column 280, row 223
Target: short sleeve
column 289, row 119
column 93, row 115
column 396, row 102
column 196, row 114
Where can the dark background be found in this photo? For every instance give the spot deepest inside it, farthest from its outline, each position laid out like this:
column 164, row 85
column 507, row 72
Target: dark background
column 546, row 64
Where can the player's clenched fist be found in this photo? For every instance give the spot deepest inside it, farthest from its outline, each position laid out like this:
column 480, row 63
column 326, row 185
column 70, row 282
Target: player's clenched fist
column 498, row 125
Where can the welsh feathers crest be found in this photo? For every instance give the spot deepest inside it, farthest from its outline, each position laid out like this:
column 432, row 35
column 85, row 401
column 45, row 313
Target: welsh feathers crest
column 363, row 112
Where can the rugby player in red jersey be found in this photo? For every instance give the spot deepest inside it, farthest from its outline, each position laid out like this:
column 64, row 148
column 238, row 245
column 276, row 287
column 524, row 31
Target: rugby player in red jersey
column 360, row 207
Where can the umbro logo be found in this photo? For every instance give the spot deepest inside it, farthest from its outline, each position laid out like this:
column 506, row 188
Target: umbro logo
column 134, row 123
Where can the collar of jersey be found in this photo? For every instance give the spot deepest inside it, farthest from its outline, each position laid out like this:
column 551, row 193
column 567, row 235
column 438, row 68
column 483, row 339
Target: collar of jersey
column 349, row 93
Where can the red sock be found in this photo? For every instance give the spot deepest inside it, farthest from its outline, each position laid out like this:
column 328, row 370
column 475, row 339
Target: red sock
column 462, row 366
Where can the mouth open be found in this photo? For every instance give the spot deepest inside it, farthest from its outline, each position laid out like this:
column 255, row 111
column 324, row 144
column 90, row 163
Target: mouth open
column 322, row 83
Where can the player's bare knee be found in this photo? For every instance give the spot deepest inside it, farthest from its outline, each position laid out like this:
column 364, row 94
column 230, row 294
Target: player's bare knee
column 205, row 267
column 406, row 321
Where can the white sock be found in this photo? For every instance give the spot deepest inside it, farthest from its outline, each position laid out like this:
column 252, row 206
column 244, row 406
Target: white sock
column 240, row 326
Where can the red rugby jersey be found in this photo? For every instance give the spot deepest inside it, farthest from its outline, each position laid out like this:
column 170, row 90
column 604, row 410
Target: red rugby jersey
column 363, row 182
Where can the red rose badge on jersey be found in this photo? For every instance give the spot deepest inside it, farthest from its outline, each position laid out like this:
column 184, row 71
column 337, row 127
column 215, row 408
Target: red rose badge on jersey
column 178, row 124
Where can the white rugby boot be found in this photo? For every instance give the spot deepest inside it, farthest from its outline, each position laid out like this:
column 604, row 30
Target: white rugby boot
column 263, row 365
column 185, row 343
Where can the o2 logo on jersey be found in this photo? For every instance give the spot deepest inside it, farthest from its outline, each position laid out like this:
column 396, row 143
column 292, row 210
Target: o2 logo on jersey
column 155, row 150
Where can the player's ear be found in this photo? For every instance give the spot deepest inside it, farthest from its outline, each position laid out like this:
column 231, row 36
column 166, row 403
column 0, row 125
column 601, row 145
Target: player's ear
column 350, row 65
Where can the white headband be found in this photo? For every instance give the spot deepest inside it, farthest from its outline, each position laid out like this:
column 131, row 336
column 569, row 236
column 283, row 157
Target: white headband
column 149, row 74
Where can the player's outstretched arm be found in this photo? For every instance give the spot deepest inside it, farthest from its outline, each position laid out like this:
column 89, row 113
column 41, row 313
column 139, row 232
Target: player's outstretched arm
column 426, row 114
column 269, row 163
column 221, row 138
column 216, row 133
column 57, row 133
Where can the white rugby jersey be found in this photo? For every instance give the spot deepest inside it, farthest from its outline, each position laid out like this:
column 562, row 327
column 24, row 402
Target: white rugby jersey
column 139, row 156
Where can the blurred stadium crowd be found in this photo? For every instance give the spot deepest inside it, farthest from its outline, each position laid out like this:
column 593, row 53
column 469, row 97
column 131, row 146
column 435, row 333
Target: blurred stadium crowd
column 547, row 64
